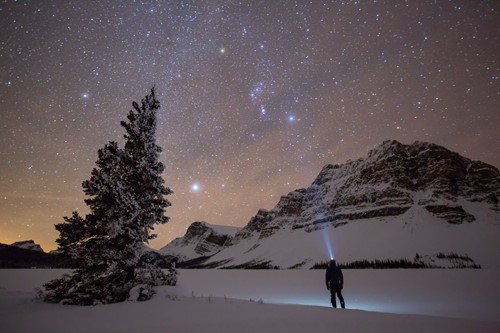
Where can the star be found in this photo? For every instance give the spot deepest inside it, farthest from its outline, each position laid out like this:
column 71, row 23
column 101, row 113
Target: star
column 257, row 90
column 195, row 187
column 262, row 110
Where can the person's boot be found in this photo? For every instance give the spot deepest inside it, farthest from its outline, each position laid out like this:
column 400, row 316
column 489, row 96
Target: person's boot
column 342, row 304
column 334, row 305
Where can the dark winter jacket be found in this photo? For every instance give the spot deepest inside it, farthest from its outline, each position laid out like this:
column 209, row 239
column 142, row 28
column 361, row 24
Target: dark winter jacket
column 334, row 277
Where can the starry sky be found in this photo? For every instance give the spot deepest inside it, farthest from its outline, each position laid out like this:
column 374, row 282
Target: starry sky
column 256, row 96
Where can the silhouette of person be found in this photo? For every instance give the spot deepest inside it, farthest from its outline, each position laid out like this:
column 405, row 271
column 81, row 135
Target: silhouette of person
column 335, row 282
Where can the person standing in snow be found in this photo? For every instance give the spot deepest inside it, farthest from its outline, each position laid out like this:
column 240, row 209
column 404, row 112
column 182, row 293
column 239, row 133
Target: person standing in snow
column 335, row 282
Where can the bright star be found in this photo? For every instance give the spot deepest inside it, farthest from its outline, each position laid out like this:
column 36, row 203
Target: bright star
column 85, row 95
column 195, row 187
column 262, row 110
column 291, row 118
column 222, row 50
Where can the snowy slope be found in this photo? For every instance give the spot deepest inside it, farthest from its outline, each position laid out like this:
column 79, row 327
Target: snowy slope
column 415, row 231
column 399, row 201
column 220, row 301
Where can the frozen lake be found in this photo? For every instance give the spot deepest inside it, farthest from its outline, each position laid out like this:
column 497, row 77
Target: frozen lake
column 463, row 293
column 460, row 300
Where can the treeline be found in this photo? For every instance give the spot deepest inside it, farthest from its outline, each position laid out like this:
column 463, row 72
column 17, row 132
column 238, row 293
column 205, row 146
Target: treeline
column 453, row 260
column 453, row 255
column 379, row 264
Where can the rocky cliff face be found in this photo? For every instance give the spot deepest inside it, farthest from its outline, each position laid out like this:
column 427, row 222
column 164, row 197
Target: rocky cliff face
column 388, row 182
column 201, row 239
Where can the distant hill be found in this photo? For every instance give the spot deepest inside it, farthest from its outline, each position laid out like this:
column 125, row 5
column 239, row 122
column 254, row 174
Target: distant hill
column 27, row 254
column 14, row 257
column 28, row 245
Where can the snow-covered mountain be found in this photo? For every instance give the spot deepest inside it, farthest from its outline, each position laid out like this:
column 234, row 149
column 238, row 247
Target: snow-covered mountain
column 201, row 239
column 28, row 245
column 401, row 201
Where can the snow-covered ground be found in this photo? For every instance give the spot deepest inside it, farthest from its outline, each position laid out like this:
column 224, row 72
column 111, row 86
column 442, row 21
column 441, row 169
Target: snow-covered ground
column 253, row 301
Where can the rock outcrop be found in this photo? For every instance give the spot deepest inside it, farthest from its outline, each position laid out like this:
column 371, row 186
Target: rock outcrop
column 28, row 245
column 201, row 239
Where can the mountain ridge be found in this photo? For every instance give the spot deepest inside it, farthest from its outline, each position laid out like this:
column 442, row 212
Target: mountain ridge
column 28, row 245
column 201, row 239
column 418, row 193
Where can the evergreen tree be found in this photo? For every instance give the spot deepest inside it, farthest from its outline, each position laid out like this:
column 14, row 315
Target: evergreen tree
column 126, row 199
column 144, row 170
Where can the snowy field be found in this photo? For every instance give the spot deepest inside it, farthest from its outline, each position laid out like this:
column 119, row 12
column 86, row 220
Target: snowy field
column 270, row 301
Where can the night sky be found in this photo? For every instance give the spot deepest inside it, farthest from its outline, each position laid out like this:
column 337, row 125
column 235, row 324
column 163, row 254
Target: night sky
column 256, row 96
